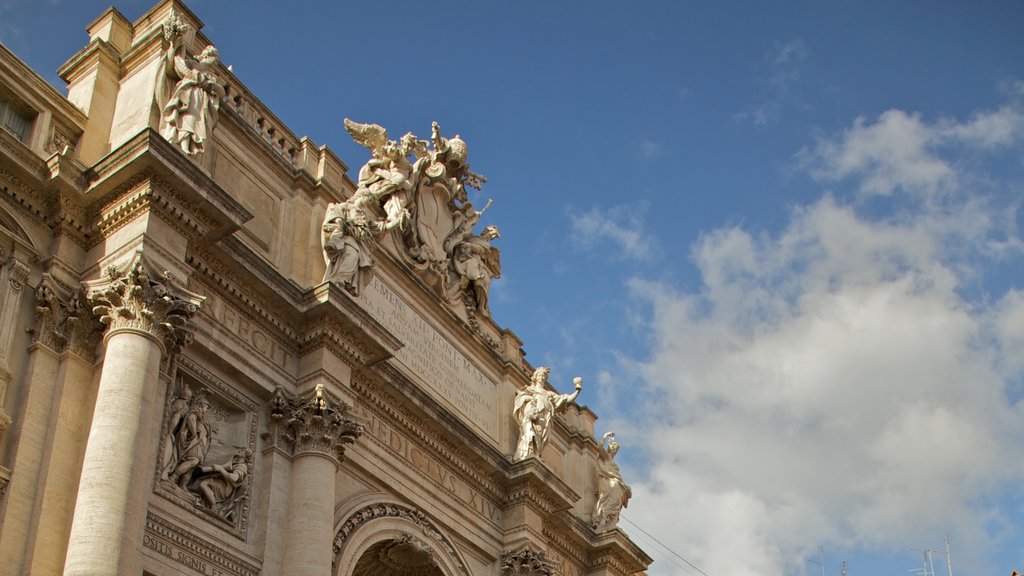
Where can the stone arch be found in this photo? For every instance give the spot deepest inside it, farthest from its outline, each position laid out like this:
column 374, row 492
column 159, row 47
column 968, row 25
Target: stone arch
column 395, row 540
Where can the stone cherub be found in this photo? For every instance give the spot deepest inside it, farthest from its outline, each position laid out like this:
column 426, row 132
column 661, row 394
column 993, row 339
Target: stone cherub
column 190, row 114
column 612, row 493
column 386, row 176
column 534, row 408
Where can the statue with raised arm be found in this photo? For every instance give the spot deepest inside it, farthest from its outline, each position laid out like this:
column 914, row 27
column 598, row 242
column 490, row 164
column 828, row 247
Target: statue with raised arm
column 387, row 175
column 344, row 239
column 475, row 262
column 612, row 493
column 534, row 408
column 190, row 114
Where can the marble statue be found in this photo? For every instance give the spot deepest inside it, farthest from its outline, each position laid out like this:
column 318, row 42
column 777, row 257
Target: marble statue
column 345, row 242
column 612, row 493
column 476, row 262
column 534, row 408
column 221, row 487
column 190, row 114
column 192, row 437
column 387, row 176
column 169, row 443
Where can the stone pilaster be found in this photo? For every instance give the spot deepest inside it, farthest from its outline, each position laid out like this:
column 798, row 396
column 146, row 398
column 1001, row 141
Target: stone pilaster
column 145, row 317
column 314, row 430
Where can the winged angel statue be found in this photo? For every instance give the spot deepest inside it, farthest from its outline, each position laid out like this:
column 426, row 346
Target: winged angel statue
column 421, row 187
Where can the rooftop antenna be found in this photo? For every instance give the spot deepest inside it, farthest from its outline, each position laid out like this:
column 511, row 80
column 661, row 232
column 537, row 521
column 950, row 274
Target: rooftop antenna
column 949, row 558
column 821, row 559
column 843, row 572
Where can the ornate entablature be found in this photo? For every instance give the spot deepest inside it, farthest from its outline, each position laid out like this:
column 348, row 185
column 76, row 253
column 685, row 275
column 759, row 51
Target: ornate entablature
column 302, row 365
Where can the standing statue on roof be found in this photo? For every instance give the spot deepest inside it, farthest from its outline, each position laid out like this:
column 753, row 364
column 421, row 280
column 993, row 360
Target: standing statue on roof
column 535, row 406
column 612, row 492
column 189, row 116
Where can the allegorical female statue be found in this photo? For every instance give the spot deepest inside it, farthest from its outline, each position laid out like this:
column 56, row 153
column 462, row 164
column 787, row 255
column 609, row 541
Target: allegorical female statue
column 190, row 115
column 612, row 493
column 534, row 408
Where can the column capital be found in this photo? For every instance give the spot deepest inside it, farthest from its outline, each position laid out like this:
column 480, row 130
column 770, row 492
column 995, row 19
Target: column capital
column 316, row 423
column 64, row 322
column 136, row 299
column 527, row 562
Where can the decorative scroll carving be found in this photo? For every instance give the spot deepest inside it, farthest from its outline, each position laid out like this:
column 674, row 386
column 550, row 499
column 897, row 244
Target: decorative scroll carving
column 527, row 562
column 317, row 423
column 190, row 114
column 134, row 299
column 534, row 408
column 394, row 511
column 612, row 492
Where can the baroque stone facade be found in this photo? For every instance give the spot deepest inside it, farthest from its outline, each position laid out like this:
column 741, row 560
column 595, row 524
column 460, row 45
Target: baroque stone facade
column 219, row 354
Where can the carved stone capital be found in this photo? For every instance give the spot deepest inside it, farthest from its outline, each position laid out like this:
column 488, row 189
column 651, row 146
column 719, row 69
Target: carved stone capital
column 527, row 562
column 314, row 424
column 135, row 299
column 64, row 323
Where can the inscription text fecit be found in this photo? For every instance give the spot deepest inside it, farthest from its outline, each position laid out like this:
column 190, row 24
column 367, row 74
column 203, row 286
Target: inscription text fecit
column 432, row 359
column 229, row 319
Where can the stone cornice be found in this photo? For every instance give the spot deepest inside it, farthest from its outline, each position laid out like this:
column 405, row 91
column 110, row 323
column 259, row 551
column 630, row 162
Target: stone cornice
column 336, row 321
column 533, row 484
column 40, row 90
column 613, row 549
column 481, row 467
column 189, row 194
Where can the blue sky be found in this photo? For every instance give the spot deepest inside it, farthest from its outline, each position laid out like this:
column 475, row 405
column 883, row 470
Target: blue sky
column 782, row 242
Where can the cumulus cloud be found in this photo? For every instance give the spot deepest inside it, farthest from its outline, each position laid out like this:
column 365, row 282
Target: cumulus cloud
column 831, row 384
column 900, row 151
column 622, row 227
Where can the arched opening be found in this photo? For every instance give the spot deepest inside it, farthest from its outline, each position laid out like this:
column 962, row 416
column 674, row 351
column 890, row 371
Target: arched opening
column 402, row 556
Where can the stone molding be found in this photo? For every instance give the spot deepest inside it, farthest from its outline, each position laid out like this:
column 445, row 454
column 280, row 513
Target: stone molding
column 427, row 436
column 316, row 424
column 135, row 299
column 183, row 546
column 527, row 562
column 382, row 511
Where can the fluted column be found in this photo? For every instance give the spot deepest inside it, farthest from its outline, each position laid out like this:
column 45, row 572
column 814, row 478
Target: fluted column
column 315, row 430
column 144, row 319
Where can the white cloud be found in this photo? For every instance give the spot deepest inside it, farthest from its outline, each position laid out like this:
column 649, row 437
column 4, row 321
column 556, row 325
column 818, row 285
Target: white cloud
column 621, row 226
column 831, row 384
column 899, row 151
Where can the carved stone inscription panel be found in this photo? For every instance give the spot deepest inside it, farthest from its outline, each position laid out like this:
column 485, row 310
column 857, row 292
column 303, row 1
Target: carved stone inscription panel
column 431, row 359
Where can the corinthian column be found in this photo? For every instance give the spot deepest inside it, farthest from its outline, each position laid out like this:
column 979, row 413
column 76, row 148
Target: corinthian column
column 316, row 431
column 144, row 320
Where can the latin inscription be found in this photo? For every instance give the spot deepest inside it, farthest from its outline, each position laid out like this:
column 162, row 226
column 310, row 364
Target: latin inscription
column 181, row 557
column 228, row 318
column 431, row 468
column 431, row 359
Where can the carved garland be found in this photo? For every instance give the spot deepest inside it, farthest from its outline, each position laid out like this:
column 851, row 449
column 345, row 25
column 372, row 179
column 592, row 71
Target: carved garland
column 378, row 511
